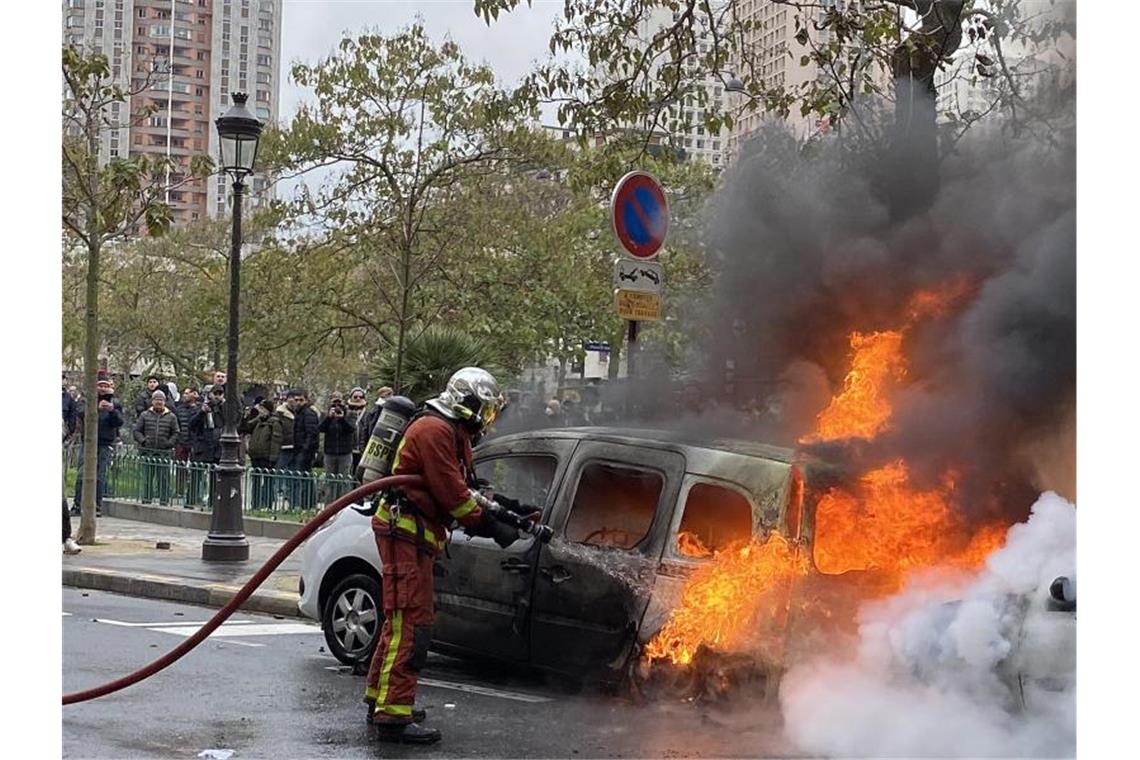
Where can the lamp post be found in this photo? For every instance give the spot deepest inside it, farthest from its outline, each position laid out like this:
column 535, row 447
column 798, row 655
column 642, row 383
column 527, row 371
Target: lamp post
column 238, row 133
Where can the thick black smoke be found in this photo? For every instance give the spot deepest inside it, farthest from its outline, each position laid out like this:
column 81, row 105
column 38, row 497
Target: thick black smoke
column 806, row 252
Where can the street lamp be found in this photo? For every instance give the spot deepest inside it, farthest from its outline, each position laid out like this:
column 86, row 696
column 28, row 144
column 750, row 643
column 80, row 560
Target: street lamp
column 238, row 133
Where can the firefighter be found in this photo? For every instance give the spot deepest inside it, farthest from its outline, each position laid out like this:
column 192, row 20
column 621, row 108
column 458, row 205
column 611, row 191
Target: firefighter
column 410, row 526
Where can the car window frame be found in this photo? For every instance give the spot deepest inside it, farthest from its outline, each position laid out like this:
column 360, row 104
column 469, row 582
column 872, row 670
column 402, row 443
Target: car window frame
column 554, row 477
column 572, row 494
column 562, row 452
column 670, row 552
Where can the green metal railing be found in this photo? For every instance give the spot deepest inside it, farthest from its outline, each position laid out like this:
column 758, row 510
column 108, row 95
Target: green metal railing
column 166, row 482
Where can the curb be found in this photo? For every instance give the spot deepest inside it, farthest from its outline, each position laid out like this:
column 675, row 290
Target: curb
column 175, row 590
column 192, row 518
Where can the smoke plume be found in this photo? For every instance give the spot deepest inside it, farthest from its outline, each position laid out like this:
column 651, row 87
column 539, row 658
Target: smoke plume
column 807, row 252
column 936, row 669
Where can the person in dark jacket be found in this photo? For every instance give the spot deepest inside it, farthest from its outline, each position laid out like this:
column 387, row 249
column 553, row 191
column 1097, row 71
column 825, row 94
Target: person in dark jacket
column 306, row 433
column 110, row 420
column 306, row 442
column 286, row 413
column 290, row 454
column 68, row 410
column 354, row 413
column 69, row 545
column 189, row 481
column 339, row 434
column 185, row 409
column 156, row 433
column 206, row 427
column 142, row 401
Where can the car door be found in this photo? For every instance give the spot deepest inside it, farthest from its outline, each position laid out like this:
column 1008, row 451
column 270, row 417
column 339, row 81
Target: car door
column 594, row 579
column 482, row 590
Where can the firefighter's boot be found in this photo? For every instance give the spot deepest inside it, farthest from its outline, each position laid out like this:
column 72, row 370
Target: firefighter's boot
column 407, row 733
column 419, row 715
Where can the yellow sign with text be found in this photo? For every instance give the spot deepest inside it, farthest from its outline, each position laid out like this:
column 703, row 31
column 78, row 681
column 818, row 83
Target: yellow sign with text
column 638, row 305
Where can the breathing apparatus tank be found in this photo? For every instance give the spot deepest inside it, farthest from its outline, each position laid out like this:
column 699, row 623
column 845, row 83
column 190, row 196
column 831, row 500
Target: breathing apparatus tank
column 380, row 451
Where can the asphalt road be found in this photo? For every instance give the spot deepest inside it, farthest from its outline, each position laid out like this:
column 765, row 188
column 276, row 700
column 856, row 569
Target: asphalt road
column 264, row 687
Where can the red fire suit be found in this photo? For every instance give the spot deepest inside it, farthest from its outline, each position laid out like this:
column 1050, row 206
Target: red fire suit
column 408, row 539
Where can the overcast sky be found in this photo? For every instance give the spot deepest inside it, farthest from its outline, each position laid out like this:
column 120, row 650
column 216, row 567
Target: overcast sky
column 313, row 28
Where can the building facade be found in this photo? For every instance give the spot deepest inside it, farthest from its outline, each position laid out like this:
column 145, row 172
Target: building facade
column 682, row 125
column 772, row 53
column 183, row 58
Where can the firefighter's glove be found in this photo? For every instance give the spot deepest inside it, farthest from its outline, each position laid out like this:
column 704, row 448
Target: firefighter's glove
column 507, row 501
column 526, row 511
column 503, row 534
column 500, row 532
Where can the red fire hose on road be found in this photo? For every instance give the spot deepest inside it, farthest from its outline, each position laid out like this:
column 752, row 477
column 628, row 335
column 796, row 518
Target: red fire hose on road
column 251, row 585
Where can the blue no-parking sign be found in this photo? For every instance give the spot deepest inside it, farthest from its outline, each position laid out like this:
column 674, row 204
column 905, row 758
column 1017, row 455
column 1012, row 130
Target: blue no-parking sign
column 640, row 214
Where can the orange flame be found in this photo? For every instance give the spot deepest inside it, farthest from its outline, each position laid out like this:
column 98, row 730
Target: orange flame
column 882, row 523
column 861, row 410
column 888, row 525
column 938, row 301
column 690, row 545
column 721, row 602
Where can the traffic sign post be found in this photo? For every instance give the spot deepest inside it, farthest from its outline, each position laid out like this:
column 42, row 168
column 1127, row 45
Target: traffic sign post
column 639, row 214
column 632, row 274
column 638, row 305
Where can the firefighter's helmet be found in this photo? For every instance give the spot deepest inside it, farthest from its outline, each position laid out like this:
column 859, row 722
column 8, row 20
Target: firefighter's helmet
column 473, row 396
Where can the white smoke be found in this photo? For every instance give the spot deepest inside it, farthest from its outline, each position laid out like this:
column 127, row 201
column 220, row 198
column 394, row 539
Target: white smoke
column 936, row 669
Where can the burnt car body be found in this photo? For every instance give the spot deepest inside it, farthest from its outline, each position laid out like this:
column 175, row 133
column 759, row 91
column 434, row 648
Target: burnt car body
column 616, row 500
column 580, row 605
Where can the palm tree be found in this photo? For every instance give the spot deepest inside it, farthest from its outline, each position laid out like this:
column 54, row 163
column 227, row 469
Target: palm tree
column 433, row 356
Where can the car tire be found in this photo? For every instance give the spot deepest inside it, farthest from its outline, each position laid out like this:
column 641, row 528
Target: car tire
column 351, row 619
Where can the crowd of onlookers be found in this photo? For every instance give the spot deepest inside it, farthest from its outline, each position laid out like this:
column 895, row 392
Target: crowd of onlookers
column 280, row 431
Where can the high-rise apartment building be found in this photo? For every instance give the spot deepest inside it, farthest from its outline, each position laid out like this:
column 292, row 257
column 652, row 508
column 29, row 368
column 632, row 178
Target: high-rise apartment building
column 773, row 55
column 683, row 124
column 190, row 55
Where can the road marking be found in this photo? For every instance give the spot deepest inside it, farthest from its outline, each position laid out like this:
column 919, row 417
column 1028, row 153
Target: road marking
column 228, row 629
column 256, row 629
column 240, row 643
column 165, row 624
column 484, row 690
column 67, row 614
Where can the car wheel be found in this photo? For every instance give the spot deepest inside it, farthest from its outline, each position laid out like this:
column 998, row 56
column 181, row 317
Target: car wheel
column 352, row 618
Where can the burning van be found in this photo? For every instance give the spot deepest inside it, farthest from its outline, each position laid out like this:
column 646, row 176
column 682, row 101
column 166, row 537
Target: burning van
column 634, row 512
column 683, row 565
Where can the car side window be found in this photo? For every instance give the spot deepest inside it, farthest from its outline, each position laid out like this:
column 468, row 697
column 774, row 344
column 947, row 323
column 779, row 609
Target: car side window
column 527, row 478
column 613, row 505
column 714, row 517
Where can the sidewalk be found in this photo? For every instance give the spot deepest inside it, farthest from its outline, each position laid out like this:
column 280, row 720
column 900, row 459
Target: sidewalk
column 126, row 561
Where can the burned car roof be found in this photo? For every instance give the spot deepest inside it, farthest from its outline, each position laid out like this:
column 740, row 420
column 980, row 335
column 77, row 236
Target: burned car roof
column 656, row 437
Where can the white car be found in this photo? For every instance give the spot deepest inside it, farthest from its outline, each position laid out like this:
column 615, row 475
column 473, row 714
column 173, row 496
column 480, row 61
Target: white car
column 340, row 585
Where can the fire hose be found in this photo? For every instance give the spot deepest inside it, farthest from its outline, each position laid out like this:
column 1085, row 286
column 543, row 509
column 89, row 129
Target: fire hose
column 251, row 585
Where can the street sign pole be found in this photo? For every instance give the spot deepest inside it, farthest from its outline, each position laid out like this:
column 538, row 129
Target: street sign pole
column 639, row 214
column 630, row 362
